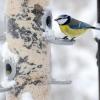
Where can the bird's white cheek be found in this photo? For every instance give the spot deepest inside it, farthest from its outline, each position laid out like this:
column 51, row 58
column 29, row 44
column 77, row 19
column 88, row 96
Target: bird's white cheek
column 62, row 21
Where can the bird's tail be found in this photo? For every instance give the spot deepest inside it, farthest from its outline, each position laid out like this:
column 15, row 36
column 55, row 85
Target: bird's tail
column 96, row 28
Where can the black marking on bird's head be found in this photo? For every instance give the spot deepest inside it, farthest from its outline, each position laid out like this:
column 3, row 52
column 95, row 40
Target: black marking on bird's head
column 63, row 19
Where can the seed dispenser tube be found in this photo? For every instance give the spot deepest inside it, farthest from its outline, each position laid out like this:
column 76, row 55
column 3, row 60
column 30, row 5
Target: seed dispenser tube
column 26, row 22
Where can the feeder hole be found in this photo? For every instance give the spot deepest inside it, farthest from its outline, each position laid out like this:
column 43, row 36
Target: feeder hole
column 49, row 21
column 8, row 69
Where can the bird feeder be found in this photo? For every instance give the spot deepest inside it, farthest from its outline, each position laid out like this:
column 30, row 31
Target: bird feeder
column 26, row 20
column 97, row 37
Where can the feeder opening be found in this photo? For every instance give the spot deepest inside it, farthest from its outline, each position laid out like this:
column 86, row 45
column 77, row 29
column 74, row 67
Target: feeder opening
column 49, row 22
column 8, row 69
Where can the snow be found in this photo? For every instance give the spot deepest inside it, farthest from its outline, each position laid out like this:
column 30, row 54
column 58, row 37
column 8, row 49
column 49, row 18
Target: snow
column 71, row 62
column 26, row 96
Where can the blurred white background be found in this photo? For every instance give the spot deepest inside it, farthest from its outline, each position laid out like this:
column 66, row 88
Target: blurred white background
column 76, row 62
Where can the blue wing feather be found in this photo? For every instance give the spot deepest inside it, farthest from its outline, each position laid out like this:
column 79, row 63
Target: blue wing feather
column 75, row 24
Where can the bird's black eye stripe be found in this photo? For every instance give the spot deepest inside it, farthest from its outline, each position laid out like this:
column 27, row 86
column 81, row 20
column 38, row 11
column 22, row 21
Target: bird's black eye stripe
column 59, row 18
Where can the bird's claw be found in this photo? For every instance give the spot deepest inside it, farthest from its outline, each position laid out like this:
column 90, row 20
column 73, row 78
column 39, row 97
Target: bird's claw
column 65, row 37
column 72, row 39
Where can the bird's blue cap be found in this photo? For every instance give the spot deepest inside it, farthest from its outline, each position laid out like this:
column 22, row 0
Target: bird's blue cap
column 61, row 17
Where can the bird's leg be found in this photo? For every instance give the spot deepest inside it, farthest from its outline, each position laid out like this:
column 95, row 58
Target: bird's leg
column 65, row 37
column 73, row 39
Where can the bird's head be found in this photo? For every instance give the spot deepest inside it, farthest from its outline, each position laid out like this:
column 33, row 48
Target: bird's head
column 63, row 19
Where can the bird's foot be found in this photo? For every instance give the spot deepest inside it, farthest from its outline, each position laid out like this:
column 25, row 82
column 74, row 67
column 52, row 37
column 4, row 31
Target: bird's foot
column 65, row 37
column 73, row 39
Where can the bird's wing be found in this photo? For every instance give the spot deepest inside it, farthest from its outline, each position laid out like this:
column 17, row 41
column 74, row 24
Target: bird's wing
column 75, row 24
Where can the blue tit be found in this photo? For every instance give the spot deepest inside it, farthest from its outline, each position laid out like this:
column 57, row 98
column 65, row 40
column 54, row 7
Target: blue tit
column 72, row 27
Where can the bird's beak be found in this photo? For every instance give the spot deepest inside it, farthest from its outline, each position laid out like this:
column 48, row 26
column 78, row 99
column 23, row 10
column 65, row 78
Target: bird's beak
column 56, row 19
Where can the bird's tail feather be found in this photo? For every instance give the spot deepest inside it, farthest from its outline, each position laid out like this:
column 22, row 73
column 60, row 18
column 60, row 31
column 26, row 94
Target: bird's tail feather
column 96, row 28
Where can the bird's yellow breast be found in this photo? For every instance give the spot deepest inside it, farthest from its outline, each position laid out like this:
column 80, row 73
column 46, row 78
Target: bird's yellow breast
column 71, row 32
